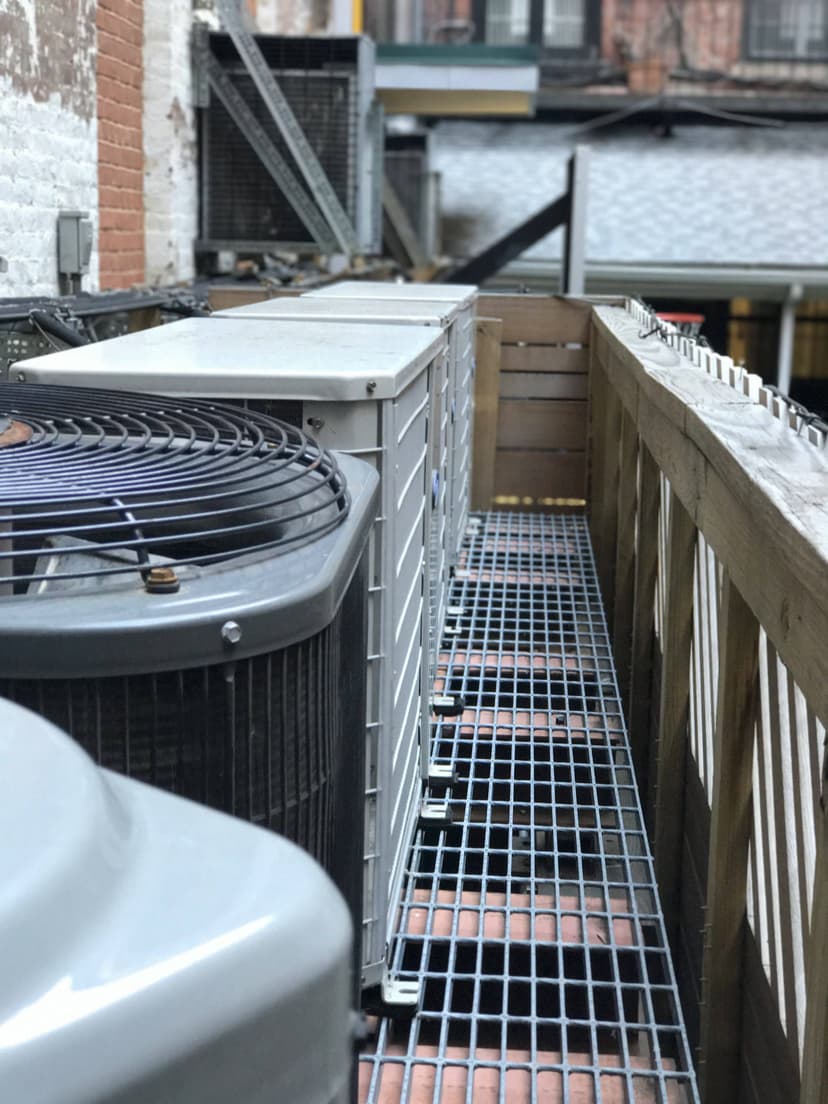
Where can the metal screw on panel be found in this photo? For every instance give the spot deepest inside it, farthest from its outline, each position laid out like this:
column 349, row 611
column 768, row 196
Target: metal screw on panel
column 21, row 377
column 161, row 580
column 231, row 632
column 371, row 386
column 316, row 423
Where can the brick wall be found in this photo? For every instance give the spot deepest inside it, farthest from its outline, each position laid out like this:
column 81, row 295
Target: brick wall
column 643, row 29
column 120, row 25
column 48, row 135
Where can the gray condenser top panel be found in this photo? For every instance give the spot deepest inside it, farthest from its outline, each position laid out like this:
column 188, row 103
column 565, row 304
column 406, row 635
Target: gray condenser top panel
column 121, row 629
column 227, row 357
column 156, row 950
column 389, row 312
column 461, row 295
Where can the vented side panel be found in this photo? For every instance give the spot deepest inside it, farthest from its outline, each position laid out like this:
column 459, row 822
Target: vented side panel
column 268, row 739
column 408, row 506
column 243, row 203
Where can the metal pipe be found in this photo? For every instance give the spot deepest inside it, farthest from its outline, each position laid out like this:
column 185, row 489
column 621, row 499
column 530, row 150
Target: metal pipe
column 787, row 333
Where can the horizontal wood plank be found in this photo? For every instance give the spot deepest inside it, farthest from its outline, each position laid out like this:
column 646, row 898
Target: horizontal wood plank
column 538, row 319
column 543, row 385
column 543, row 358
column 540, row 474
column 540, row 423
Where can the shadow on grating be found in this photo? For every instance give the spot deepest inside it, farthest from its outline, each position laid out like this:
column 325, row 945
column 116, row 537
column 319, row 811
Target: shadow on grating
column 533, row 922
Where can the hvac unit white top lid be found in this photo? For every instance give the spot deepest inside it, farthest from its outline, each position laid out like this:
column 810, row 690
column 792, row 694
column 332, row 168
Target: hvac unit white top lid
column 460, row 294
column 152, row 949
column 408, row 312
column 227, row 357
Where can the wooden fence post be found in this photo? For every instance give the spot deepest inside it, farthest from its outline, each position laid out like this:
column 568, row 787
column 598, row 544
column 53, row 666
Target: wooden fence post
column 606, row 429
column 674, row 710
column 486, row 401
column 730, row 830
column 639, row 706
column 625, row 553
column 815, row 1050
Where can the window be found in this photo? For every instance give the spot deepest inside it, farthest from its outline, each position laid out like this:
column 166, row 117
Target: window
column 565, row 26
column 787, row 29
column 507, row 22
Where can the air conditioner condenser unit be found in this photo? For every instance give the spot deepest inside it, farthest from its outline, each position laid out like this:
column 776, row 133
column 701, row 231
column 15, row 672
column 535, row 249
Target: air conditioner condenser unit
column 460, row 301
column 184, row 591
column 365, row 390
column 316, row 310
column 156, row 950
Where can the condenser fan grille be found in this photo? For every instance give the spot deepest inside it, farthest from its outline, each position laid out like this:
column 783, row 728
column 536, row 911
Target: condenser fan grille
column 97, row 483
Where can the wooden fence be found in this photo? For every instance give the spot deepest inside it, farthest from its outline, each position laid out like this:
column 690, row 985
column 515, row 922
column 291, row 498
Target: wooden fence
column 531, row 402
column 708, row 508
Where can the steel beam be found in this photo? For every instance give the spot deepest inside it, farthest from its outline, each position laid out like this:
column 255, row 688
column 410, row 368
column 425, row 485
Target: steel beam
column 509, row 247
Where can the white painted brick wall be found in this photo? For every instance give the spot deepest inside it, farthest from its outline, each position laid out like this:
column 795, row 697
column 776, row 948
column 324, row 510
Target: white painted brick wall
column 48, row 162
column 170, row 169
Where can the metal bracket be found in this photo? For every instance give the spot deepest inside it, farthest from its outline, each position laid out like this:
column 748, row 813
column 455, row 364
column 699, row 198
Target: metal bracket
column 434, row 816
column 447, row 705
column 282, row 115
column 441, row 774
column 395, row 998
column 268, row 154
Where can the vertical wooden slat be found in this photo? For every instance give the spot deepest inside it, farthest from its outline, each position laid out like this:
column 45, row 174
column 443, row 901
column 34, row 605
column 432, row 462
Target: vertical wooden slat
column 730, row 829
column 781, row 876
column 646, row 572
column 815, row 1049
column 486, row 399
column 606, row 430
column 625, row 553
column 674, row 709
column 598, row 385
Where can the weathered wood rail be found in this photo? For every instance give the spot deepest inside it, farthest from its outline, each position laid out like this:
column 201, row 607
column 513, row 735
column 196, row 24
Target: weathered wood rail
column 708, row 504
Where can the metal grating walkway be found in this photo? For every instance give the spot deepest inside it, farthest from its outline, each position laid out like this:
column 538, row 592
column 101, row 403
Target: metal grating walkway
column 534, row 922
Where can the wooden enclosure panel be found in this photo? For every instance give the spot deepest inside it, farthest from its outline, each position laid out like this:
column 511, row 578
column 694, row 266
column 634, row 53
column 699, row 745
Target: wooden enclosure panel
column 541, row 424
column 539, row 474
column 539, row 319
column 540, row 430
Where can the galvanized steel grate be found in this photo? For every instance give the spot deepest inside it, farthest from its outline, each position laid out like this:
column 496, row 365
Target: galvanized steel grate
column 534, row 921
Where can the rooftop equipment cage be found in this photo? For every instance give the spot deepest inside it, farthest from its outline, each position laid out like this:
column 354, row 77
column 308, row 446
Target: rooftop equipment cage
column 368, row 393
column 328, row 83
column 116, row 997
column 212, row 566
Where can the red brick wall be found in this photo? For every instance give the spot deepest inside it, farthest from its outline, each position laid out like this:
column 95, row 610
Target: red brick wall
column 641, row 30
column 120, row 26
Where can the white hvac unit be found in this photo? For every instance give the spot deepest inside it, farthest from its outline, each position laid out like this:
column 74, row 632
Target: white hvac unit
column 314, row 310
column 156, row 950
column 364, row 390
column 460, row 301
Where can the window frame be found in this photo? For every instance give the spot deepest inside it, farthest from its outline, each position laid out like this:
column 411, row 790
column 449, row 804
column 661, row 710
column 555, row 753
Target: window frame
column 591, row 46
column 748, row 54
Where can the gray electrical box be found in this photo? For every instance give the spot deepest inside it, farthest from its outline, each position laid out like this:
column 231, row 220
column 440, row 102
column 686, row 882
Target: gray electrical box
column 74, row 247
